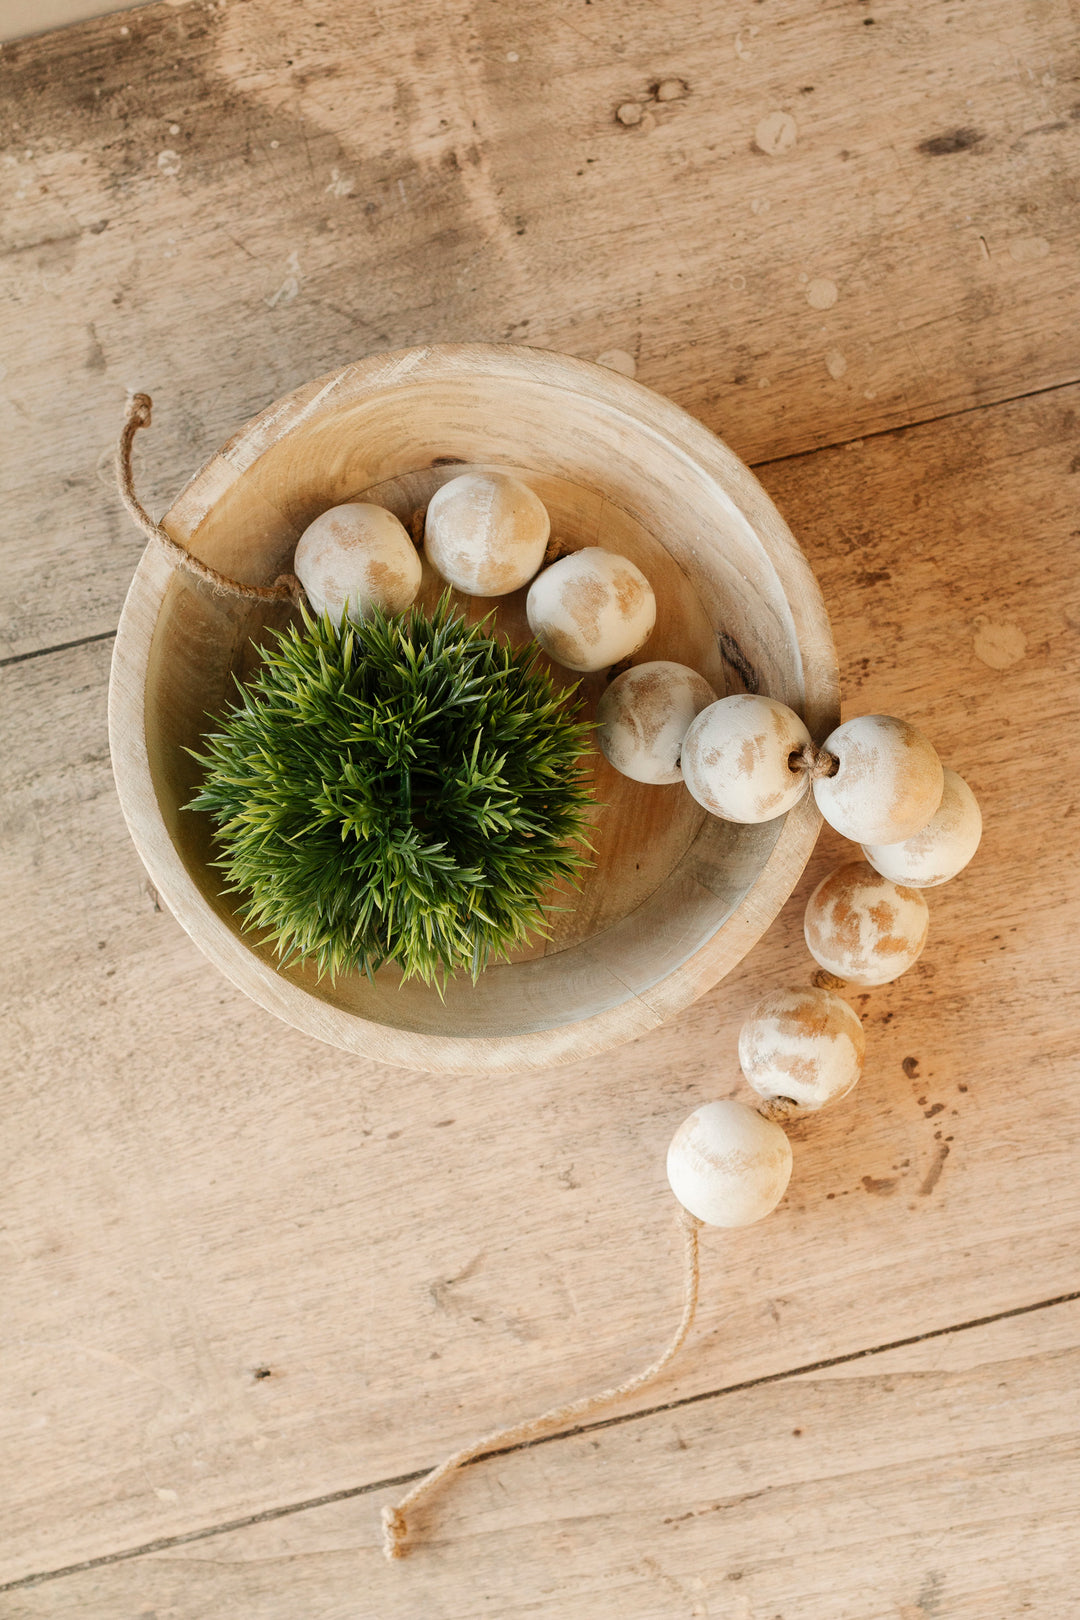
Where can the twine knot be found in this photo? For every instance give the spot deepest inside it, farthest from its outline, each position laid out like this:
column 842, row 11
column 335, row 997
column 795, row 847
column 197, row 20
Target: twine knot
column 289, row 583
column 779, row 1109
column 140, row 410
column 286, row 588
column 815, row 761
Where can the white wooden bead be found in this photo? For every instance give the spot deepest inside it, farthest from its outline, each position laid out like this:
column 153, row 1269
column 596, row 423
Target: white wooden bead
column 591, row 609
column 359, row 554
column 486, row 533
column 644, row 715
column 736, row 758
column 863, row 927
column 727, row 1165
column 804, row 1044
column 889, row 782
column 943, row 847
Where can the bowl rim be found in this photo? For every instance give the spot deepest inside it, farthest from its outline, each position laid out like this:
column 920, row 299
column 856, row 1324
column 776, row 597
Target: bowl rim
column 546, row 1048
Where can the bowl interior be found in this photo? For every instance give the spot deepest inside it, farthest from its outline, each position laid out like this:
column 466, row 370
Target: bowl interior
column 667, row 876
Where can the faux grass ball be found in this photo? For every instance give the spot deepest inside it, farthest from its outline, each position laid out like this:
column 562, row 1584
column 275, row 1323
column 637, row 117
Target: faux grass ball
column 404, row 790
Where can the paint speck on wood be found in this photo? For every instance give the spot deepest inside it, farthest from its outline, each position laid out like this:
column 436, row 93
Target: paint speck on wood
column 821, row 293
column 999, row 646
column 618, row 360
column 933, row 1175
column 775, row 134
column 953, row 140
column 882, row 1186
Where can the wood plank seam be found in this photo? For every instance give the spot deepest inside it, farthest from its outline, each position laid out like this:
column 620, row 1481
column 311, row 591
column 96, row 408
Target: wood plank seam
column 897, row 428
column 61, row 646
column 289, row 1510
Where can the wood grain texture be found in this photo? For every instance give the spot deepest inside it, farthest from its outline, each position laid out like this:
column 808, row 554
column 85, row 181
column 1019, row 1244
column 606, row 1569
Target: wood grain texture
column 675, row 897
column 22, row 17
column 192, row 1195
column 933, row 1481
column 837, row 219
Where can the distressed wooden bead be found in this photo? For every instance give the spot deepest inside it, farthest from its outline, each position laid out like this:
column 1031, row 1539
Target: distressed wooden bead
column 863, row 927
column 943, row 847
column 357, row 554
column 486, row 533
column 591, row 609
column 807, row 1045
column 644, row 716
column 736, row 758
column 888, row 784
column 727, row 1165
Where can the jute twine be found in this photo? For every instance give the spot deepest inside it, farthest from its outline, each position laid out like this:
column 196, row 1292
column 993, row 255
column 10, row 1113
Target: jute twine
column 781, row 1110
column 286, row 588
column 395, row 1519
column 814, row 761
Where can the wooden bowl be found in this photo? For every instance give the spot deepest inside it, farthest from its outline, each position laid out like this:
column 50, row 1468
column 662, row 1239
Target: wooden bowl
column 677, row 897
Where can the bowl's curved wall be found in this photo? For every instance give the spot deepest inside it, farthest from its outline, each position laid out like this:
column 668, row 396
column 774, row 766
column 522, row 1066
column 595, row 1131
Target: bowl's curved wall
column 678, row 897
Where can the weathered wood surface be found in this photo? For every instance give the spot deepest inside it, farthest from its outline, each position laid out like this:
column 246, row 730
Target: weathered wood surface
column 944, row 1474
column 21, row 17
column 825, row 220
column 193, row 1194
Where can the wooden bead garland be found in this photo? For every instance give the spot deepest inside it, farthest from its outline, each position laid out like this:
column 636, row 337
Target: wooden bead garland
column 800, row 1050
column 887, row 783
column 591, row 609
column 728, row 1165
column 745, row 758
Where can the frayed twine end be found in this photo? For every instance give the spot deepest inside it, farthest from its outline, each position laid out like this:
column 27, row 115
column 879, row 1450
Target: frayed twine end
column 395, row 1534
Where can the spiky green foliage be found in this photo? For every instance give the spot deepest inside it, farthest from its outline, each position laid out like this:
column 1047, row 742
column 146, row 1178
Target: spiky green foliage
column 403, row 790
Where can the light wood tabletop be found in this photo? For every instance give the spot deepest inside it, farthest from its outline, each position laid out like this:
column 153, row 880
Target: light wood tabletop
column 249, row 1282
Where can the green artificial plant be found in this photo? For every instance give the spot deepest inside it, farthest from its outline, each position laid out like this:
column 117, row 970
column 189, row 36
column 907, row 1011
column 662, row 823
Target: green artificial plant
column 402, row 790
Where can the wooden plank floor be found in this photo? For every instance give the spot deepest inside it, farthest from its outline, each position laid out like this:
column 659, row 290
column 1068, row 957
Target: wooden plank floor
column 242, row 1272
